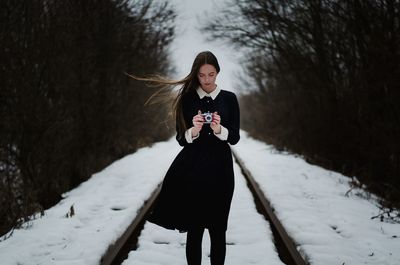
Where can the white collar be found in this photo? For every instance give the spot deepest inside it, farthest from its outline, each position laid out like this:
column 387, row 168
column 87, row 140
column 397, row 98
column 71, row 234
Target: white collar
column 203, row 93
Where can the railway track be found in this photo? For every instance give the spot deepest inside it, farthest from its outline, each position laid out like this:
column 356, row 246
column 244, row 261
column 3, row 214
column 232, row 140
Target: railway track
column 285, row 246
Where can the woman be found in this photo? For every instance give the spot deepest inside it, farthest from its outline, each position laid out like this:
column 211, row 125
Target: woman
column 198, row 187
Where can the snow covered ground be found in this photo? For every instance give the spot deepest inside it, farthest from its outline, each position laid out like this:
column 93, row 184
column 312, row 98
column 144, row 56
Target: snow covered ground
column 249, row 239
column 84, row 238
column 329, row 227
column 311, row 202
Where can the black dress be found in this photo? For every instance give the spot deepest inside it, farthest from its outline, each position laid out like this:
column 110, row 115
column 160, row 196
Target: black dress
column 198, row 187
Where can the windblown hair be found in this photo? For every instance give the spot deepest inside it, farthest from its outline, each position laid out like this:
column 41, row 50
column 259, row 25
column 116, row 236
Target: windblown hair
column 189, row 83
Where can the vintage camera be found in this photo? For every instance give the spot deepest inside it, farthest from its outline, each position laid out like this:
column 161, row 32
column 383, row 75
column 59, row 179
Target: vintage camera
column 208, row 117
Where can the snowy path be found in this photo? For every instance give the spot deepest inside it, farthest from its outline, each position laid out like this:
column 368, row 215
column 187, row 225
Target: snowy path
column 330, row 225
column 248, row 232
column 330, row 221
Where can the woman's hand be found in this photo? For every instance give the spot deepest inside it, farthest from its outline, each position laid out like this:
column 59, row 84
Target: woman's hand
column 215, row 124
column 198, row 122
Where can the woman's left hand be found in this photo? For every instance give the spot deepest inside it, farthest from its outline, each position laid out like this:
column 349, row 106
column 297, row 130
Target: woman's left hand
column 215, row 124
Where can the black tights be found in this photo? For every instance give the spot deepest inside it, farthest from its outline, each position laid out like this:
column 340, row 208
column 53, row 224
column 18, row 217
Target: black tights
column 193, row 246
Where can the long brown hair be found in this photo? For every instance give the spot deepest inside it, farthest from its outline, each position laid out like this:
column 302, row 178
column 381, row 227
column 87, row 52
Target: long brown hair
column 189, row 83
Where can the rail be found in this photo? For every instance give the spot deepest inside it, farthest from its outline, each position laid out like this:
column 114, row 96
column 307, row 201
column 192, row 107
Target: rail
column 285, row 245
column 287, row 250
column 118, row 252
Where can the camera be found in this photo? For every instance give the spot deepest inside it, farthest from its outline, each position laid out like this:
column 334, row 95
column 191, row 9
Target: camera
column 208, row 117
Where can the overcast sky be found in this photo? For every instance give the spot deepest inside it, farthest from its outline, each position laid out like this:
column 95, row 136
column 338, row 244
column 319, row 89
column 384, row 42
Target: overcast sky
column 190, row 40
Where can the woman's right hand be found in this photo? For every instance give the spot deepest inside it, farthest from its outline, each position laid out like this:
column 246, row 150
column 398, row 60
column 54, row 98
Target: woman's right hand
column 198, row 121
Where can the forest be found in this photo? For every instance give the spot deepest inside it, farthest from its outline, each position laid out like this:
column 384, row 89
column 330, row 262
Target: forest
column 323, row 79
column 67, row 107
column 326, row 75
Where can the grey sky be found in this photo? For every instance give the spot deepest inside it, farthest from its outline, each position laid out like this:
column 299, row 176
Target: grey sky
column 190, row 41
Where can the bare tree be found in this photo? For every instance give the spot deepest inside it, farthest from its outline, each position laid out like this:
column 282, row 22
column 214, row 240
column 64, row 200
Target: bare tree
column 327, row 75
column 67, row 108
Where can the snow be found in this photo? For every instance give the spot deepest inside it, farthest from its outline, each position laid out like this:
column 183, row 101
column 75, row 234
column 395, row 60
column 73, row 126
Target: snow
column 83, row 238
column 328, row 226
column 249, row 240
column 311, row 202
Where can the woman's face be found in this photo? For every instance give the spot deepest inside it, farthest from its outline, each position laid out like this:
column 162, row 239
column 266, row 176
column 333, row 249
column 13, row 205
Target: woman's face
column 207, row 76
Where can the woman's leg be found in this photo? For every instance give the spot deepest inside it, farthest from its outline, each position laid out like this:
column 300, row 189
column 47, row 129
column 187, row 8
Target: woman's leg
column 218, row 246
column 193, row 246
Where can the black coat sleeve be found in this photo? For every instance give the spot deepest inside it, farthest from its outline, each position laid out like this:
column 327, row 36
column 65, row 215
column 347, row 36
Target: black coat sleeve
column 180, row 138
column 188, row 121
column 234, row 122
